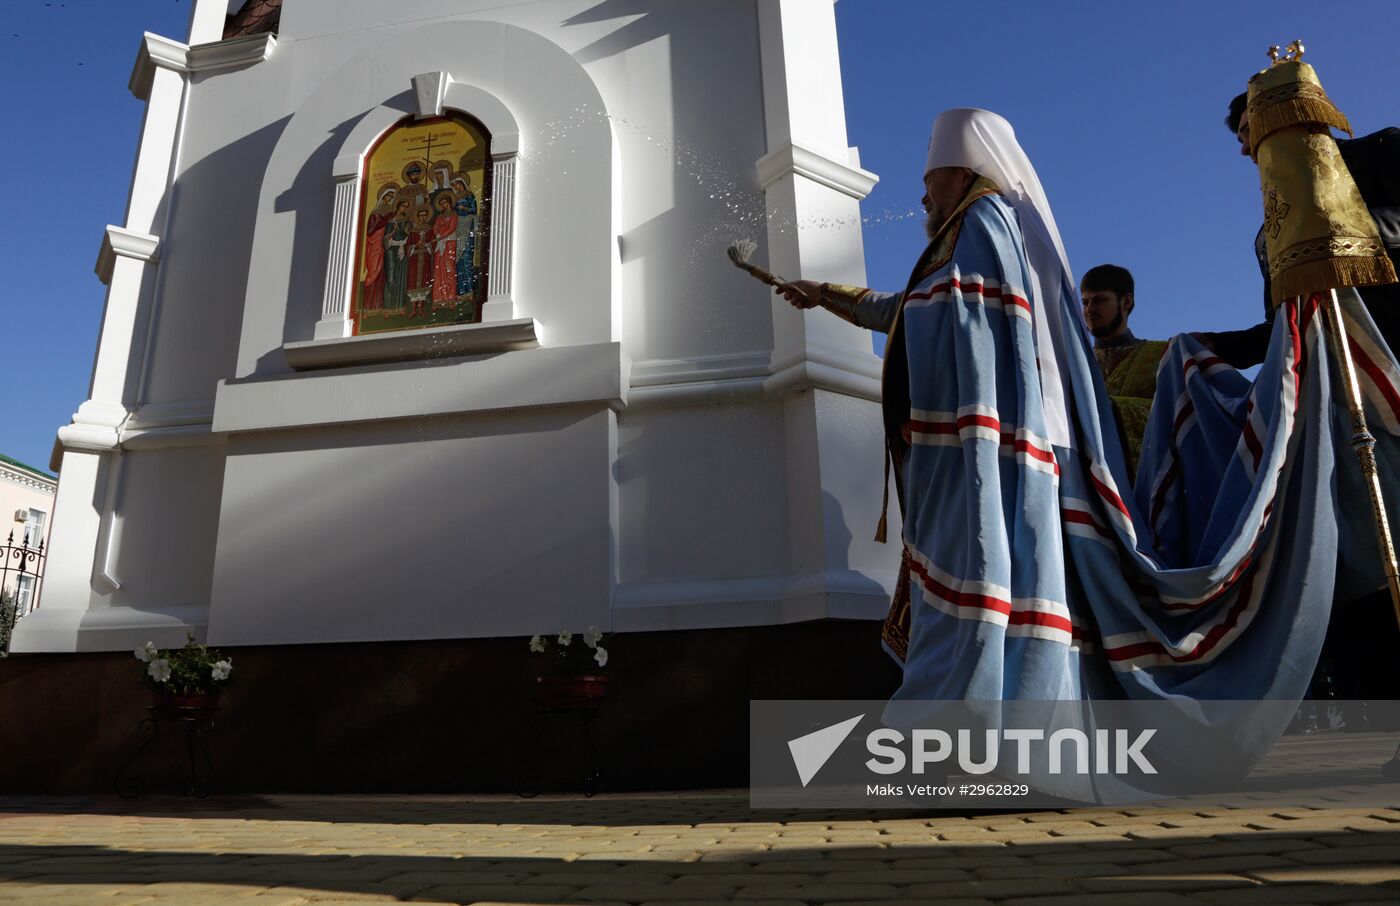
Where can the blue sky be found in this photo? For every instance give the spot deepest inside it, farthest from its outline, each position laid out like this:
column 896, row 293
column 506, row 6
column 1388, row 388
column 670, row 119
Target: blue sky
column 1119, row 105
column 72, row 126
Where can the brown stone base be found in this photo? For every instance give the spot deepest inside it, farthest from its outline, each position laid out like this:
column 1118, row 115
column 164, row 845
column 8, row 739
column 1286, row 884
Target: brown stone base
column 433, row 716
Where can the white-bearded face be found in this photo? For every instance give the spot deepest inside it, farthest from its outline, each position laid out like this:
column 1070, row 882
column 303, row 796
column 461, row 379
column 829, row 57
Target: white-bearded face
column 944, row 190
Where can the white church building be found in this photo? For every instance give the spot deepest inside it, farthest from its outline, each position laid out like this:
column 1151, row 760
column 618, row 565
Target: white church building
column 419, row 327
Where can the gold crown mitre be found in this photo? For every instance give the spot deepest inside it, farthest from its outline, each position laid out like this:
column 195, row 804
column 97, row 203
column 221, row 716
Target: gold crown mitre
column 1317, row 230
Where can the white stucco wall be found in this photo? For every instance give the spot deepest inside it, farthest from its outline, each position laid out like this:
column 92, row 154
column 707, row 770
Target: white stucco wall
column 680, row 451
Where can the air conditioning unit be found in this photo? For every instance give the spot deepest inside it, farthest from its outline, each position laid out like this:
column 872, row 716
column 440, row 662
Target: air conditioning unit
column 21, row 515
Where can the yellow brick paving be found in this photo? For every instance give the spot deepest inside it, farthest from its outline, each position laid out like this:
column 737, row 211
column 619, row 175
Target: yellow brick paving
column 680, row 848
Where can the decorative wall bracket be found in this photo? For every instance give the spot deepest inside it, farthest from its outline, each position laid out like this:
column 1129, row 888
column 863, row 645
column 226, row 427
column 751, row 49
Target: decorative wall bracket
column 430, row 90
column 156, row 53
column 118, row 242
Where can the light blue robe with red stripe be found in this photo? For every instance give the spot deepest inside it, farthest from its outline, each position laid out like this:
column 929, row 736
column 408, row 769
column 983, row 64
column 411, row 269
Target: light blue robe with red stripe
column 1038, row 573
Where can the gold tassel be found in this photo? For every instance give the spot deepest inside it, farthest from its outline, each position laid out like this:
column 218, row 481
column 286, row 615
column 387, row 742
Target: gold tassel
column 882, row 529
column 1294, row 112
column 1328, row 273
column 895, row 631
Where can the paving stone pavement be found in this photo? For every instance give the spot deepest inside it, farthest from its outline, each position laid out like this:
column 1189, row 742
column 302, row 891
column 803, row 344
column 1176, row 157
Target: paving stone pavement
column 679, row 848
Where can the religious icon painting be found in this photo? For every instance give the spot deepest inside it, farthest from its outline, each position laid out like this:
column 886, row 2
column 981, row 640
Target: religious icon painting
column 423, row 226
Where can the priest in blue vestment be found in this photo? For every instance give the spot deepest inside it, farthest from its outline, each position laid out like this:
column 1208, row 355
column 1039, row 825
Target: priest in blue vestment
column 1033, row 569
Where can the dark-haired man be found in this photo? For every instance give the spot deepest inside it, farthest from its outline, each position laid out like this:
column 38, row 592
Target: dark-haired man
column 1374, row 162
column 1129, row 365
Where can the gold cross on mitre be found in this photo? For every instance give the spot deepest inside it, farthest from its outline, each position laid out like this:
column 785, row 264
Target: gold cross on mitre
column 1293, row 53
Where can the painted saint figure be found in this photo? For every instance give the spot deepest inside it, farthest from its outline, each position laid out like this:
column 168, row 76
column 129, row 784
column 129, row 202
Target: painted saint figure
column 444, row 252
column 413, row 188
column 441, row 181
column 395, row 259
column 372, row 278
column 466, row 235
column 420, row 261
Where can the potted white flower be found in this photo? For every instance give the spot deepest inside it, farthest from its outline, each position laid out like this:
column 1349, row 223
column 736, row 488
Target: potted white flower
column 187, row 678
column 576, row 680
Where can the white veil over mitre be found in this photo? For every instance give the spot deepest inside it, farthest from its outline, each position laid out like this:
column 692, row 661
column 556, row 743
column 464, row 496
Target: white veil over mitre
column 985, row 143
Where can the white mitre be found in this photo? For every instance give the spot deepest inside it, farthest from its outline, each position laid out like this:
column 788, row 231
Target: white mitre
column 985, row 143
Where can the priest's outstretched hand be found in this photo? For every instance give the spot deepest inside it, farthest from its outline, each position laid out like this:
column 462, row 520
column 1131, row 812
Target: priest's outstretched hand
column 801, row 293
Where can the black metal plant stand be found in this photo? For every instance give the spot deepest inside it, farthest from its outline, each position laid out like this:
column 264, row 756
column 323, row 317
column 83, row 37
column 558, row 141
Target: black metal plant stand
column 560, row 701
column 197, row 723
column 528, row 780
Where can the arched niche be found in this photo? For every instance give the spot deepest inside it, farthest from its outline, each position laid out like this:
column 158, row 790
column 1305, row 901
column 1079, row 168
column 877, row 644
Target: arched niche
column 422, row 227
column 347, row 304
column 553, row 245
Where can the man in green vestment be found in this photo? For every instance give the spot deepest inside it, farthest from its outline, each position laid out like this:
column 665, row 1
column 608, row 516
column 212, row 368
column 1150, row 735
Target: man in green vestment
column 1129, row 365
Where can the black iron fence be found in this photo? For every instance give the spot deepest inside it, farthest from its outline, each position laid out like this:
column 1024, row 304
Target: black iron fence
column 21, row 580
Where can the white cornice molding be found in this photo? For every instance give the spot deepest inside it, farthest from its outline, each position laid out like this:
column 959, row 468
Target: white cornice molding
column 96, row 428
column 810, row 375
column 27, row 479
column 660, row 383
column 191, row 435
column 820, row 367
column 411, row 345
column 696, row 369
column 541, row 378
column 818, row 167
column 121, row 242
column 156, row 53
column 170, row 414
column 161, row 426
column 88, row 438
column 163, row 53
column 100, row 414
column 108, row 628
column 842, row 594
column 231, row 54
column 107, row 428
column 860, row 363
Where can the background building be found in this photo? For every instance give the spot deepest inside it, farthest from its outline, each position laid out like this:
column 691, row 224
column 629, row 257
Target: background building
column 420, row 335
column 26, row 494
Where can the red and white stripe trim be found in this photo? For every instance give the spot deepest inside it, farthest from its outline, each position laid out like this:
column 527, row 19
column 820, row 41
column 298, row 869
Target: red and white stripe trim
column 973, row 288
column 1376, row 373
column 990, row 603
column 1288, row 404
column 1203, row 363
column 1115, row 507
column 978, row 422
column 1170, row 470
column 1138, row 650
column 1079, row 520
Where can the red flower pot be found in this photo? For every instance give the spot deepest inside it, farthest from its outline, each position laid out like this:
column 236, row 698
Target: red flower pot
column 570, row 693
column 186, row 702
